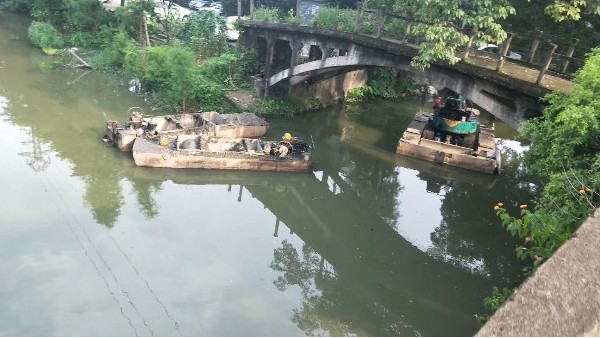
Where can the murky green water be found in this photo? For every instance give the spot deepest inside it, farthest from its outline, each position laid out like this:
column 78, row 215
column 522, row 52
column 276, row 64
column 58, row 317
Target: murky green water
column 367, row 244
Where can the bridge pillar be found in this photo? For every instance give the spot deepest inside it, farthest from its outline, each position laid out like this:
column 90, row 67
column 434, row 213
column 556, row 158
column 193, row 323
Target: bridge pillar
column 296, row 47
column 268, row 64
column 324, row 51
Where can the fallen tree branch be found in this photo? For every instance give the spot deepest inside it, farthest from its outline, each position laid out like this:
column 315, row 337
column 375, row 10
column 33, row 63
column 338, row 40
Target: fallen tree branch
column 83, row 63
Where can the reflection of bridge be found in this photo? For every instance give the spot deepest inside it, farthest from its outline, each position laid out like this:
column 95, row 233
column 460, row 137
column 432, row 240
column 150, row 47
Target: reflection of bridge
column 511, row 98
column 370, row 257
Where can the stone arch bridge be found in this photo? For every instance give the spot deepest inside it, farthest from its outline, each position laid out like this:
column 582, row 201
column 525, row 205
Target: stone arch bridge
column 332, row 52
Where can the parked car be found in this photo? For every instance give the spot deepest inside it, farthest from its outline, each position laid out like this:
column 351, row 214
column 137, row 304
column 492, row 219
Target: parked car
column 491, row 48
column 165, row 8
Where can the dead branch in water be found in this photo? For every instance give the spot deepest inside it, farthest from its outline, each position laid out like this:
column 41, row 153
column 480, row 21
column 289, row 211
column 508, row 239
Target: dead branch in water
column 83, row 63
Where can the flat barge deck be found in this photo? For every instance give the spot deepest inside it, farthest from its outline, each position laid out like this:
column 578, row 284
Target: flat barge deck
column 484, row 157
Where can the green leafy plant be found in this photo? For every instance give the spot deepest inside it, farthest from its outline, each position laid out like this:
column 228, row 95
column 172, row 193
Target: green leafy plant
column 494, row 302
column 337, row 19
column 293, row 20
column 116, row 46
column 266, row 14
column 44, row 35
column 205, row 33
column 565, row 153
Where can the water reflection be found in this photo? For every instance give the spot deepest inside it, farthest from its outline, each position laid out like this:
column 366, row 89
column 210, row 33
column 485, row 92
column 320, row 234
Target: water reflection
column 38, row 157
column 367, row 244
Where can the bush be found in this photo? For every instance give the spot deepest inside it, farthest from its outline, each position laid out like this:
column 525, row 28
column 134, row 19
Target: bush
column 266, row 14
column 44, row 35
column 337, row 19
column 116, row 46
column 565, row 153
column 205, row 33
column 283, row 107
column 293, row 20
column 168, row 70
column 221, row 69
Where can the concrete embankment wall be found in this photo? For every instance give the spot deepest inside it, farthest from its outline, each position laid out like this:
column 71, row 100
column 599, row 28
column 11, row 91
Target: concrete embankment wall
column 333, row 89
column 562, row 298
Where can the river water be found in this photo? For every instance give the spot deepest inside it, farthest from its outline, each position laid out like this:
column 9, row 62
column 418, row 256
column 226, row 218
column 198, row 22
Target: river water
column 366, row 244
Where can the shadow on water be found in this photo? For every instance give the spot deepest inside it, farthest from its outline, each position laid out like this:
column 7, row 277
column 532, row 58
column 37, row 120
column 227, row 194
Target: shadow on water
column 389, row 245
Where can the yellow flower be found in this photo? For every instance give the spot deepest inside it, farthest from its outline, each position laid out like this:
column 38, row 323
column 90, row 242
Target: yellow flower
column 496, row 208
column 582, row 191
column 523, row 206
column 500, row 204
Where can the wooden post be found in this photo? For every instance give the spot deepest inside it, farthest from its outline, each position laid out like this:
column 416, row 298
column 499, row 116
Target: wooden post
column 505, row 47
column 569, row 54
column 146, row 31
column 298, row 10
column 381, row 23
column 534, row 45
column 407, row 29
column 251, row 7
column 239, row 9
column 359, row 8
column 268, row 64
column 546, row 64
column 470, row 43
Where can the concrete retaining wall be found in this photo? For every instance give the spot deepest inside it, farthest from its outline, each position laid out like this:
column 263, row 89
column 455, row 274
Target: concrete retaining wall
column 562, row 298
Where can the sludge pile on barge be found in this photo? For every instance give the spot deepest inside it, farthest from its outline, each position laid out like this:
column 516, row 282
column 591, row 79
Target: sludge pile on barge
column 207, row 141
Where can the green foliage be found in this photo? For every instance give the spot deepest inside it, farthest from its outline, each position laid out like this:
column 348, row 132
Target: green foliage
column 84, row 40
column 442, row 33
column 382, row 83
column 249, row 63
column 168, row 70
column 562, row 10
column 207, row 95
column 17, row 6
column 116, row 46
column 205, row 33
column 44, row 35
column 220, row 69
column 360, row 93
column 283, row 107
column 494, row 302
column 292, row 19
column 565, row 153
column 266, row 14
column 333, row 18
column 82, row 15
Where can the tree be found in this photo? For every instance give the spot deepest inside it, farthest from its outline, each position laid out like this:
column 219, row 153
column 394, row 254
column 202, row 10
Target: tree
column 206, row 33
column 565, row 153
column 84, row 15
column 443, row 25
column 562, row 10
column 170, row 70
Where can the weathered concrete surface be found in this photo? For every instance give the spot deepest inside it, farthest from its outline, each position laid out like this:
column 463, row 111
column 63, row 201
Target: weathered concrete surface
column 562, row 298
column 332, row 89
column 508, row 96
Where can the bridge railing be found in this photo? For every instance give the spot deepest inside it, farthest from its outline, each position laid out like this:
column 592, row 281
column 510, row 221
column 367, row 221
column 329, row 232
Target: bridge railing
column 529, row 49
